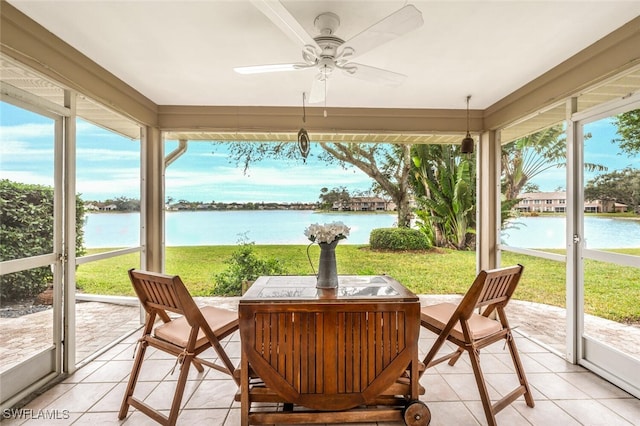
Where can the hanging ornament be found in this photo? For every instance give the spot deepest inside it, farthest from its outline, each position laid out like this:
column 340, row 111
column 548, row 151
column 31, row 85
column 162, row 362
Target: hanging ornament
column 303, row 136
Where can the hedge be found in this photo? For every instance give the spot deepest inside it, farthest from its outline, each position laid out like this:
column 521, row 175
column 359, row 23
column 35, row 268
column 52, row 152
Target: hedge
column 398, row 239
column 26, row 229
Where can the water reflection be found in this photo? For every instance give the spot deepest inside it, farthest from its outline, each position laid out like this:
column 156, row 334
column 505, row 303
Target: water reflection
column 549, row 232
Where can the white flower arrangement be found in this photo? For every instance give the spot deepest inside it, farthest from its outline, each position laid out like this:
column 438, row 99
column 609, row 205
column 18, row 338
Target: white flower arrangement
column 327, row 233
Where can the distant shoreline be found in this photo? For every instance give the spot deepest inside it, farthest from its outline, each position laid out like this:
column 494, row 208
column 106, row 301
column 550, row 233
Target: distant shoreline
column 247, row 210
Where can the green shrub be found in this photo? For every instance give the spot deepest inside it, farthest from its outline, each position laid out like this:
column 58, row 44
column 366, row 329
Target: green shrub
column 26, row 229
column 398, row 239
column 244, row 267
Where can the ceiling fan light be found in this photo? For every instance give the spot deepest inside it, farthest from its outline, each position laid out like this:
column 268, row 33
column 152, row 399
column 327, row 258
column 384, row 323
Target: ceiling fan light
column 466, row 146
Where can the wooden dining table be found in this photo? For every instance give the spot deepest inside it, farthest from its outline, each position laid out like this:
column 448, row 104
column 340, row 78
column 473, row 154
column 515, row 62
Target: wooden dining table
column 342, row 355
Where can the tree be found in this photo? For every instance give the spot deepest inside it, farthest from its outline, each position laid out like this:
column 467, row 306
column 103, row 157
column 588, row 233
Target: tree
column 533, row 154
column 123, row 203
column 444, row 184
column 620, row 186
column 531, row 187
column 628, row 124
column 388, row 165
column 336, row 197
column 529, row 156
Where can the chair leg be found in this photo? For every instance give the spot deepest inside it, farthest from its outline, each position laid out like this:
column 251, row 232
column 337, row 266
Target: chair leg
column 429, row 359
column 456, row 356
column 177, row 397
column 133, row 379
column 228, row 365
column 482, row 387
column 517, row 363
column 198, row 365
column 245, row 402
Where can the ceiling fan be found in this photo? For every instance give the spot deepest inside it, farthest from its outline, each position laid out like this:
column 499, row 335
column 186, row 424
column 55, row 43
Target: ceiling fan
column 327, row 52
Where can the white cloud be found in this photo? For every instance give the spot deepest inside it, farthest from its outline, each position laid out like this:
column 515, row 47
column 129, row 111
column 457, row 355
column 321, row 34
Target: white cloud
column 101, row 189
column 27, row 177
column 105, row 154
column 267, row 177
column 27, row 130
column 13, row 150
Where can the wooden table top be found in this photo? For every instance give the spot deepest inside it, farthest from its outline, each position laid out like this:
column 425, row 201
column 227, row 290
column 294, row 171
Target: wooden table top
column 302, row 289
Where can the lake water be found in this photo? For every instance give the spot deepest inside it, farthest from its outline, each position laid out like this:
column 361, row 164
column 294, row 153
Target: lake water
column 197, row 228
column 549, row 232
column 192, row 228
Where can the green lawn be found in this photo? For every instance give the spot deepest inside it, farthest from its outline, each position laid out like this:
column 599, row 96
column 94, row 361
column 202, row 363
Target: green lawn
column 611, row 291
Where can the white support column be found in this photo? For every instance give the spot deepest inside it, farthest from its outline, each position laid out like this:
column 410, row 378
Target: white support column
column 152, row 203
column 573, row 231
column 69, row 230
column 488, row 201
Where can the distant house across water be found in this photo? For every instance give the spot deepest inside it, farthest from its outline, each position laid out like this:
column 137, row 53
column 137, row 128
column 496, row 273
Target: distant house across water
column 555, row 202
column 365, row 204
column 103, row 207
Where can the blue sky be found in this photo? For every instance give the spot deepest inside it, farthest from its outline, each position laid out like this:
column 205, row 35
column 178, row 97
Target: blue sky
column 108, row 165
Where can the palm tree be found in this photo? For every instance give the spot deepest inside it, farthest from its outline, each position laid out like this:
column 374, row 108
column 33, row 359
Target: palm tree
column 533, row 154
column 444, row 183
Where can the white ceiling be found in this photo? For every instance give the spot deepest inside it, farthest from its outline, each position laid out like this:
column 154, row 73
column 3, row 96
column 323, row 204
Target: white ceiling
column 183, row 52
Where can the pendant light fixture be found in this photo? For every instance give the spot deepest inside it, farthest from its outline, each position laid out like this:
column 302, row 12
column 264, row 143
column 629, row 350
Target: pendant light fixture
column 303, row 136
column 466, row 146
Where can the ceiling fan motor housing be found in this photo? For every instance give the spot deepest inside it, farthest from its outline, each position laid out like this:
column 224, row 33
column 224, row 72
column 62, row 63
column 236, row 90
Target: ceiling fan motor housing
column 327, row 23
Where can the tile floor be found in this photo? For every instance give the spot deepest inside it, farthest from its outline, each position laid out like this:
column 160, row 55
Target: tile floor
column 564, row 394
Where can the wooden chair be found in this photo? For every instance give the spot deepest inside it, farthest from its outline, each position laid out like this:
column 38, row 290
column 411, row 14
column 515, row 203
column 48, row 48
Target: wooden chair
column 186, row 336
column 472, row 331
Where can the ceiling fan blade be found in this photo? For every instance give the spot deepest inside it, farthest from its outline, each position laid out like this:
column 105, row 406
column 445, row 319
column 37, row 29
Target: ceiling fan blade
column 318, row 90
column 259, row 69
column 280, row 16
column 374, row 75
column 393, row 26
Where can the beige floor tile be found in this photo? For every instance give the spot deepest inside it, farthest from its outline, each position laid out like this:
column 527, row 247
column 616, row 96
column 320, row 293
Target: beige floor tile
column 233, row 418
column 154, row 370
column 529, row 364
column 49, row 396
column 214, row 394
column 502, row 383
column 437, row 389
column 592, row 413
column 81, row 397
column 113, row 399
column 102, row 418
column 81, row 373
column 465, row 386
column 113, row 371
column 508, row 416
column 555, row 387
column 448, row 413
column 161, row 397
column 209, row 417
column 545, row 413
column 555, row 363
column 593, row 385
column 628, row 407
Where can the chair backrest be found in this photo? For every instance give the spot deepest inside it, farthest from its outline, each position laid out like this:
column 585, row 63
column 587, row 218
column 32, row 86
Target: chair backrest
column 491, row 288
column 159, row 293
